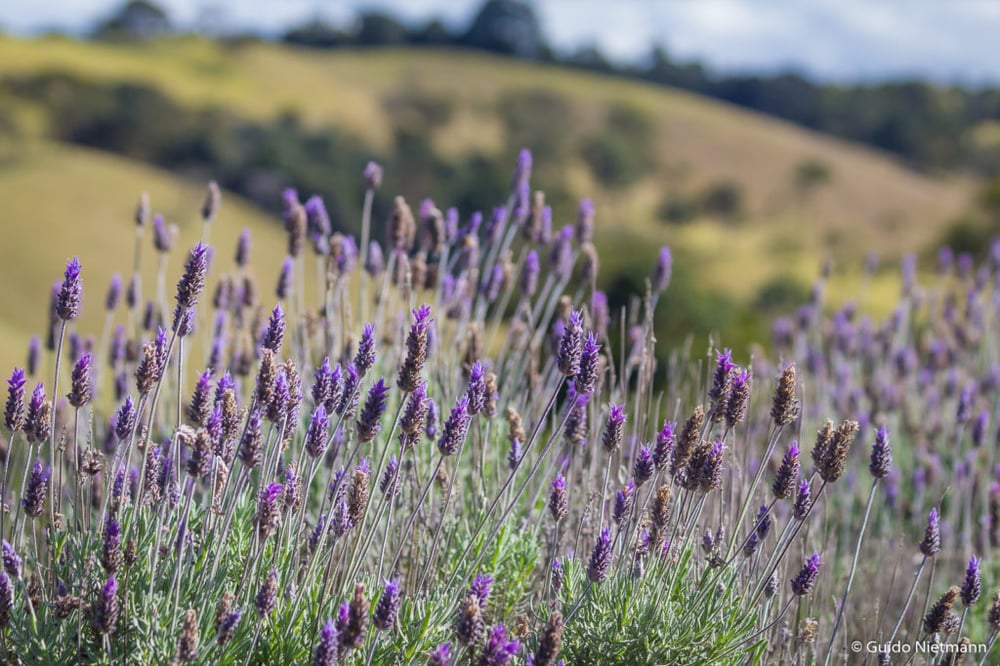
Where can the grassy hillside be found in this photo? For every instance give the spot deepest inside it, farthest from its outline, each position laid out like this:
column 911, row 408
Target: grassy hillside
column 59, row 202
column 474, row 104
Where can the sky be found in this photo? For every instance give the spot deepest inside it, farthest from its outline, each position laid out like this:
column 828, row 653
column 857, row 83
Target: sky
column 836, row 40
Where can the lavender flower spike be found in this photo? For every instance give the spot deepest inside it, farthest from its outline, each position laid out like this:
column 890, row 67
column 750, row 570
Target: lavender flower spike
column 440, row 656
column 192, row 282
column 34, row 495
column 455, row 428
column 661, row 274
column 14, row 410
column 586, row 379
column 11, row 561
column 972, row 586
column 600, row 558
column 387, row 609
column 316, row 434
column 806, row 578
column 881, row 459
column 571, row 345
column 70, row 292
column 931, row 544
column 107, row 608
column 365, row 357
column 368, row 422
column 327, row 649
column 614, row 429
column 499, row 649
column 416, row 350
column 274, row 334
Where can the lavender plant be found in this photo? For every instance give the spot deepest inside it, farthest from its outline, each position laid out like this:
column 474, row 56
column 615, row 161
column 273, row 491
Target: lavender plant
column 253, row 462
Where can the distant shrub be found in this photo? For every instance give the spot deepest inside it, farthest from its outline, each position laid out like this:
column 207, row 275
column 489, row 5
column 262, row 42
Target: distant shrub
column 622, row 152
column 677, row 209
column 811, row 174
column 723, row 199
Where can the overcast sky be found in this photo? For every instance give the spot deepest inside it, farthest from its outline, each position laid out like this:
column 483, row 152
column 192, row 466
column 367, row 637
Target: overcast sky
column 946, row 40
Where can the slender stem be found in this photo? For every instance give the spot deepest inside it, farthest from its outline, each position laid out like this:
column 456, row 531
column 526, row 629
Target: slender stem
column 909, row 598
column 850, row 578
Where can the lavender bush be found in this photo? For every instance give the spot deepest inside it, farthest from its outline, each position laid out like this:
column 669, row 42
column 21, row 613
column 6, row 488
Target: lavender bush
column 447, row 449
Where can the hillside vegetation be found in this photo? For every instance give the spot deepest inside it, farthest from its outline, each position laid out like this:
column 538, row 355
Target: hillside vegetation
column 753, row 204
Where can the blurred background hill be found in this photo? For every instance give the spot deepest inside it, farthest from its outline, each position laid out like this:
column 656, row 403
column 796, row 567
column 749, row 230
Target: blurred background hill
column 755, row 180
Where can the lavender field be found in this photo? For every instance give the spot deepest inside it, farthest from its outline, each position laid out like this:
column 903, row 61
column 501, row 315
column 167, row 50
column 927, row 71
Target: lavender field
column 442, row 445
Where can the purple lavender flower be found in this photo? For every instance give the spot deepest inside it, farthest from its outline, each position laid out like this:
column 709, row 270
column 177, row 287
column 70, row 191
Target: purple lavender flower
column 192, row 282
column 111, row 553
column 106, row 609
column 286, row 279
column 558, row 501
column 803, row 501
column 931, row 544
column 586, row 378
column 558, row 575
column 585, row 221
column 788, row 472
column 243, row 249
column 372, row 175
column 456, row 428
column 528, row 279
column 387, row 608
column 571, row 345
column 316, row 434
column 114, row 293
column 561, row 256
column 15, row 410
column 390, row 482
column 414, row 416
column 267, row 596
column 34, row 495
column 806, row 578
column 661, row 274
column 433, row 418
column 375, row 261
column 738, row 400
column 274, row 334
column 317, row 219
column 416, row 350
column 364, row 359
column 664, row 445
column 480, row 589
column 70, row 292
column 38, row 420
column 644, row 466
column 881, row 458
column 600, row 558
column 326, row 652
column 763, row 522
column 34, row 352
column 624, row 502
column 515, row 453
column 440, row 656
column 368, row 423
column 11, row 561
column 721, row 379
column 125, row 419
column 499, row 649
column 614, row 428
column 972, row 586
column 522, row 172
column 476, row 392
column 81, row 382
column 6, row 600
